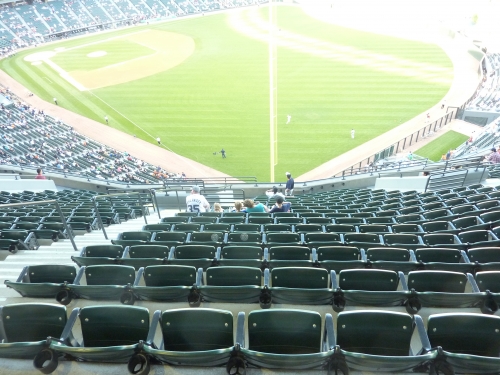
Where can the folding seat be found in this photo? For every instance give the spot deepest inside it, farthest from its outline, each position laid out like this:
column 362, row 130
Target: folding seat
column 318, row 220
column 404, row 240
column 103, row 337
column 393, row 258
column 244, row 238
column 125, row 213
column 407, row 228
column 199, row 256
column 442, row 214
column 391, row 206
column 455, row 202
column 489, row 281
column 347, row 210
column 464, row 209
column 134, row 238
column 241, row 255
column 206, row 238
column 378, row 340
column 166, row 239
column 484, row 255
column 468, row 343
column 308, row 228
column 231, row 220
column 284, row 338
column 260, row 220
column 445, row 259
column 477, row 198
column 494, row 194
column 464, row 192
column 289, row 220
column 479, row 238
column 166, row 283
column 210, row 214
column 374, row 228
column 5, row 225
column 83, row 223
column 408, row 218
column 203, row 219
column 349, row 220
column 30, row 219
column 42, row 281
column 299, row 286
column 289, row 256
column 368, row 287
column 410, row 203
column 277, row 228
column 363, row 240
column 439, row 226
column 293, row 214
column 485, row 205
column 356, row 205
column 14, row 240
column 370, row 209
column 175, row 219
column 139, row 256
column 217, row 227
column 182, row 227
column 433, row 206
column 233, row 284
column 26, row 326
column 409, row 210
column 297, row 210
column 282, row 239
column 247, row 227
column 443, row 240
column 60, row 230
column 340, row 228
column 193, row 337
column 334, row 215
column 317, row 239
column 233, row 214
column 493, row 218
column 103, row 282
column 387, row 213
column 340, row 257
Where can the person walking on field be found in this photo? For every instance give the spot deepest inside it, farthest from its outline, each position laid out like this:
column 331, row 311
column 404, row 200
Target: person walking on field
column 158, row 140
column 55, row 101
column 352, row 133
column 223, row 153
column 288, row 119
column 106, row 119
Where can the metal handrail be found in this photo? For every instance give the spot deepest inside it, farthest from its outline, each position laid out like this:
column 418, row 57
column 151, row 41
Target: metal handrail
column 58, row 208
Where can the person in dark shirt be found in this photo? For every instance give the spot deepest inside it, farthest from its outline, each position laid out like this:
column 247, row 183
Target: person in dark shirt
column 290, row 183
column 281, row 205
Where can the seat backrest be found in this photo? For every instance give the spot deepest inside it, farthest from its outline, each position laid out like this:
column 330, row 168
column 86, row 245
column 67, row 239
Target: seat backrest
column 247, row 227
column 207, row 237
column 242, row 252
column 14, row 234
column 465, row 333
column 50, row 273
column 387, row 254
column 362, row 237
column 289, row 253
column 299, row 277
column 337, row 253
column 283, row 237
column 217, row 227
column 474, row 236
column 141, row 235
column 374, row 228
column 283, row 331
column 169, row 275
column 188, row 330
column 308, row 228
column 488, row 280
column 186, row 227
column 233, row 276
column 397, row 238
column 406, row 228
column 277, row 228
column 439, row 238
column 375, row 332
column 484, row 254
column 103, row 251
column 437, row 281
column 368, row 279
column 32, row 322
column 171, row 236
column 148, row 251
column 245, row 237
column 110, row 274
column 113, row 325
column 260, row 220
column 195, row 252
column 322, row 237
column 438, row 255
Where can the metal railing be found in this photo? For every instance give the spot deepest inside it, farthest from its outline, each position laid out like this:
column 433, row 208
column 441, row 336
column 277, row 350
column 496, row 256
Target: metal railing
column 59, row 211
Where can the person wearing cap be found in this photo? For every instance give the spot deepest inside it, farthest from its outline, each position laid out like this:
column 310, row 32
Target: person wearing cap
column 290, row 183
column 196, row 202
column 494, row 157
column 281, row 205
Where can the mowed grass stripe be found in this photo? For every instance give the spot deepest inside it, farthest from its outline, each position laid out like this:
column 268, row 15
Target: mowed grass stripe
column 218, row 98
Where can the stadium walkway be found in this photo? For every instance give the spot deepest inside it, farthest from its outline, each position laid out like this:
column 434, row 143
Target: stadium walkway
column 112, row 137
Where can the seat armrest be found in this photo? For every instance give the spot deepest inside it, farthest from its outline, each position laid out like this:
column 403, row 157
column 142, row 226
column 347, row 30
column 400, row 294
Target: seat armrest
column 171, row 253
column 138, row 276
column 413, row 258
column 329, row 334
column 152, row 328
column 472, row 282
column 333, row 279
column 23, row 274
column 363, row 255
column 240, row 330
column 67, row 333
column 199, row 277
column 402, row 280
column 79, row 276
column 464, row 256
column 126, row 251
column 267, row 277
column 424, row 339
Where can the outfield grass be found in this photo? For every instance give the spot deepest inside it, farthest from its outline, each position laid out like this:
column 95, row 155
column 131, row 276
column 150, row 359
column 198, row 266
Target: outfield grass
column 330, row 80
column 441, row 145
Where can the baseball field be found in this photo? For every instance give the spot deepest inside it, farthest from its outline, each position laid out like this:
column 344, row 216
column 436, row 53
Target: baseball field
column 202, row 85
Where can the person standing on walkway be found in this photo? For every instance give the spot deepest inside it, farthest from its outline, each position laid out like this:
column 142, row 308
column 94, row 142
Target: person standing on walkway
column 290, row 184
column 352, row 133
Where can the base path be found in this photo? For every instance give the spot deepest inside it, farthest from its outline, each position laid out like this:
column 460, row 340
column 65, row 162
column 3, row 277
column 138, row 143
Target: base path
column 111, row 137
